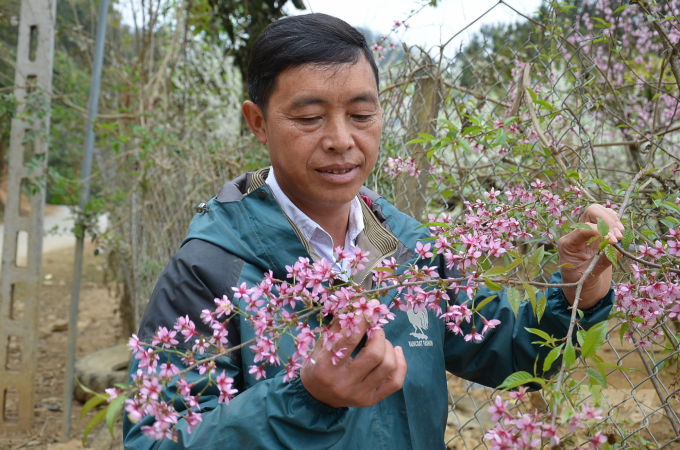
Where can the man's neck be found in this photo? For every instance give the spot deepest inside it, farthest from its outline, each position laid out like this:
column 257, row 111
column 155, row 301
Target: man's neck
column 334, row 219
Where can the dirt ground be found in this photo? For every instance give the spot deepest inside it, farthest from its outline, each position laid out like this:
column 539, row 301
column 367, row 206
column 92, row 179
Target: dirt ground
column 98, row 327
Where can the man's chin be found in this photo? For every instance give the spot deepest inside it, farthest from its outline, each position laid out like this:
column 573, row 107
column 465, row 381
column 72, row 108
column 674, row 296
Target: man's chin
column 338, row 197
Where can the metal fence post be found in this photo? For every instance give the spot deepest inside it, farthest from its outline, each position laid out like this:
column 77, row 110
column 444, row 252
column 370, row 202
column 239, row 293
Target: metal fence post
column 18, row 332
column 93, row 104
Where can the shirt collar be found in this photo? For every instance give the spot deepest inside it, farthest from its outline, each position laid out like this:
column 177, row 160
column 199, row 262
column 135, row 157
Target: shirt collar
column 306, row 225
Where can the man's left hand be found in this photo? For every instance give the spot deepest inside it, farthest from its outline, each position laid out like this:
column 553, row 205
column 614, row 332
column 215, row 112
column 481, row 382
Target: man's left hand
column 577, row 255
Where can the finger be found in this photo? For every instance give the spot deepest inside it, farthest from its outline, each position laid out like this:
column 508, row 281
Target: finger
column 383, row 370
column 345, row 344
column 585, row 235
column 614, row 222
column 617, row 220
column 369, row 357
column 609, row 216
column 351, row 337
column 396, row 380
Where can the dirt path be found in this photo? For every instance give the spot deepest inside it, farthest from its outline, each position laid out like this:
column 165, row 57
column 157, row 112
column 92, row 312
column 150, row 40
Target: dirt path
column 58, row 226
column 98, row 327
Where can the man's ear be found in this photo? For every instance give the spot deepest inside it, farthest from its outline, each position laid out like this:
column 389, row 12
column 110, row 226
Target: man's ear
column 255, row 118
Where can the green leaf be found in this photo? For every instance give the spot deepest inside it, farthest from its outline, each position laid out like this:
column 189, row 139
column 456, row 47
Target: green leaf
column 594, row 339
column 514, row 299
column 580, row 336
column 518, row 379
column 96, row 420
column 602, row 227
column 569, row 354
column 603, row 185
column 92, row 403
column 492, row 285
column 603, row 23
column 484, row 302
column 417, row 141
column 434, row 224
column 621, row 8
column 514, row 253
column 532, row 94
column 615, row 367
column 540, row 310
column 624, row 327
column 627, row 238
column 581, row 226
column 115, row 406
column 597, row 377
column 538, row 255
column 610, row 253
column 580, row 313
column 540, row 333
column 552, row 356
column 85, row 388
column 531, row 294
column 494, row 271
column 672, row 206
column 513, row 264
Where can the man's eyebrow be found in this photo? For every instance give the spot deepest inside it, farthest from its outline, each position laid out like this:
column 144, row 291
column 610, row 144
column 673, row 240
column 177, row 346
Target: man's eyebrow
column 367, row 97
column 306, row 101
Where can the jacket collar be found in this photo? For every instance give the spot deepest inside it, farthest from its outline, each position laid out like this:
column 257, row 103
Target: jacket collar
column 374, row 237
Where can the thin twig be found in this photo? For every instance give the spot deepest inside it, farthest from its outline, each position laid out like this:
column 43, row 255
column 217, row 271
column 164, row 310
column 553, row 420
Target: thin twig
column 629, row 191
column 572, row 322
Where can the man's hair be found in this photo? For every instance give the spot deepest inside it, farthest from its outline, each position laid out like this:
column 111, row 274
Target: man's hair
column 295, row 41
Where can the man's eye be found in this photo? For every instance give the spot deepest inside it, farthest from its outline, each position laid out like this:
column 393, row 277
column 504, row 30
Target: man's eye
column 363, row 117
column 308, row 120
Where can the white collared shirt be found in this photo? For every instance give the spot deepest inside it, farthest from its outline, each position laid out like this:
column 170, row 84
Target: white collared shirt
column 318, row 238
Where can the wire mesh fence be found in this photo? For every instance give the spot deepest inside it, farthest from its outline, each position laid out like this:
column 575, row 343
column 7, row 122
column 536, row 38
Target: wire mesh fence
column 483, row 83
column 457, row 92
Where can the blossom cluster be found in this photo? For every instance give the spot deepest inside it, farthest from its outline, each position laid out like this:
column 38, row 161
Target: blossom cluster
column 652, row 292
column 530, row 430
column 273, row 308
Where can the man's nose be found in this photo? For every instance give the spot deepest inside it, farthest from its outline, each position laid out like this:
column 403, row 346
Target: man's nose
column 338, row 135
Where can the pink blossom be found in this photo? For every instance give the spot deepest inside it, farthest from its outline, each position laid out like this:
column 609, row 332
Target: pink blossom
column 225, row 386
column 337, row 356
column 423, row 251
column 498, row 409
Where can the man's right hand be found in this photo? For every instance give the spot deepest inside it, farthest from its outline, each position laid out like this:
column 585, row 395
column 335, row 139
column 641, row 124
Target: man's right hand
column 377, row 371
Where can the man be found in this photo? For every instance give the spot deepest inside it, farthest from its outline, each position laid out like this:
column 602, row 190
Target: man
column 313, row 86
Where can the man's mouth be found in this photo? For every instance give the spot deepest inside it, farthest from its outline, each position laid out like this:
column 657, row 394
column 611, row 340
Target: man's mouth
column 340, row 173
column 339, row 170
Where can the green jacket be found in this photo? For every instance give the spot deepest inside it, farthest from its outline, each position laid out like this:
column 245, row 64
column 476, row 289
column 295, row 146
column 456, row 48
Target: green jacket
column 245, row 233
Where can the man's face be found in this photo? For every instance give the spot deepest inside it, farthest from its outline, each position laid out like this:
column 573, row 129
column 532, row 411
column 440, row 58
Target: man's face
column 323, row 131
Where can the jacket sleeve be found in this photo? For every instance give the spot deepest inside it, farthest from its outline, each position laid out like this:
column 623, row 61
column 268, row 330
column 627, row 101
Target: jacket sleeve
column 508, row 348
column 269, row 415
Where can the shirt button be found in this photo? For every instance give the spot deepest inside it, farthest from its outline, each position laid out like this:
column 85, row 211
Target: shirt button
column 262, row 195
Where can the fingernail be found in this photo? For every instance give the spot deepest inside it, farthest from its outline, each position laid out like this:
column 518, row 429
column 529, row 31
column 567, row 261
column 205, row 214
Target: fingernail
column 399, row 350
column 617, row 233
